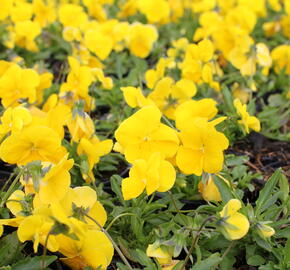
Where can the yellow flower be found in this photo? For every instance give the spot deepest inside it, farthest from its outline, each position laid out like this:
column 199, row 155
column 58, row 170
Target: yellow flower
column 187, row 111
column 99, row 43
column 22, row 11
column 167, row 95
column 92, row 249
column 135, row 98
column 32, row 143
column 202, row 147
column 14, row 119
column 247, row 120
column 81, row 197
column 93, row 149
column 78, row 80
column 209, row 190
column 17, row 83
column 6, row 7
column 15, row 203
column 107, row 82
column 141, row 38
column 281, row 58
column 140, row 141
column 265, row 231
column 72, row 15
column 154, row 75
column 234, row 224
column 25, row 34
column 156, row 174
column 55, row 184
column 153, row 14
column 162, row 255
column 45, row 12
column 36, row 227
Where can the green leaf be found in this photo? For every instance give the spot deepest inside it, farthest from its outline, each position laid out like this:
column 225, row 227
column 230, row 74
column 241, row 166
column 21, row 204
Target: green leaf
column 287, row 252
column 266, row 192
column 208, row 264
column 10, row 249
column 116, row 181
column 256, row 260
column 35, row 263
column 284, row 187
column 223, row 188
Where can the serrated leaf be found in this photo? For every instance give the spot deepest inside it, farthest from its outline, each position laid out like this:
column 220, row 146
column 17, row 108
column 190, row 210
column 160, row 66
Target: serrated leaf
column 209, row 263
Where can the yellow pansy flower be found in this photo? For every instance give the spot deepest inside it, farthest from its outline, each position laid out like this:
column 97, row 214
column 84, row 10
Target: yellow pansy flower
column 135, row 98
column 156, row 174
column 248, row 122
column 209, row 190
column 17, row 83
column 187, row 111
column 202, row 147
column 234, row 224
column 32, row 143
column 14, row 119
column 154, row 15
column 93, row 148
column 140, row 141
column 141, row 38
column 265, row 230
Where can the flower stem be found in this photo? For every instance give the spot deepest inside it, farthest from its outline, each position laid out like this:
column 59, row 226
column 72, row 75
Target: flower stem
column 10, row 190
column 111, row 239
column 194, row 241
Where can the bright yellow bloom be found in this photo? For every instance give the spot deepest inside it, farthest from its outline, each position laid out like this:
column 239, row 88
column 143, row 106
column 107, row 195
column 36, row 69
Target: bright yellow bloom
column 93, row 149
column 234, row 224
column 93, row 249
column 45, row 12
column 32, row 143
column 281, row 58
column 135, row 98
column 17, row 83
column 187, row 111
column 140, row 141
column 14, row 119
column 25, row 34
column 78, row 80
column 141, row 38
column 154, row 75
column 81, row 126
column 72, row 15
column 6, row 7
column 15, row 203
column 156, row 174
column 265, row 230
column 99, row 43
column 22, row 11
column 209, row 190
column 248, row 122
column 36, row 227
column 202, row 147
column 55, row 184
column 167, row 95
column 153, row 14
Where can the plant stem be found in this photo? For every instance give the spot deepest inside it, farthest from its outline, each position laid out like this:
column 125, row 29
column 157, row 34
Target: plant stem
column 45, row 250
column 111, row 239
column 225, row 253
column 194, row 241
column 176, row 208
column 10, row 190
column 117, row 217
